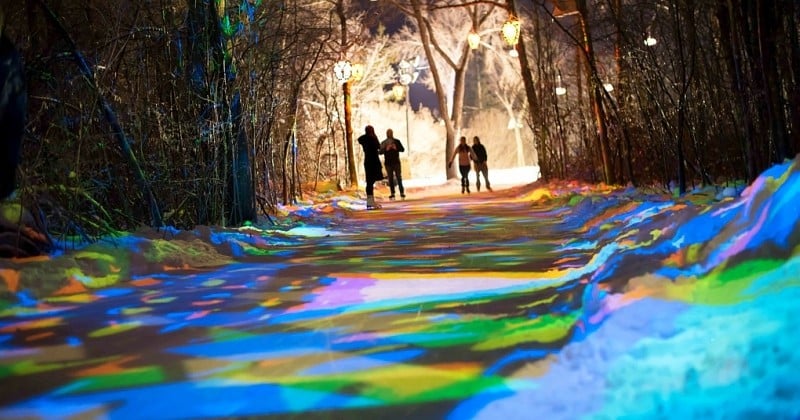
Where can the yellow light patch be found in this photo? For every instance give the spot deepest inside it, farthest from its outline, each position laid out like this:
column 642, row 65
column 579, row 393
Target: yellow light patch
column 115, row 329
column 271, row 302
column 79, row 298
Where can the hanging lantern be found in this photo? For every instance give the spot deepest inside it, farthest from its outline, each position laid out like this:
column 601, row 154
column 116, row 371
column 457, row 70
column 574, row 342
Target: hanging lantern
column 474, row 40
column 511, row 30
column 343, row 70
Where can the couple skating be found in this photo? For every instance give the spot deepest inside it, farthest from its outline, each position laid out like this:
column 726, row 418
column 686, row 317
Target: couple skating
column 390, row 148
column 476, row 153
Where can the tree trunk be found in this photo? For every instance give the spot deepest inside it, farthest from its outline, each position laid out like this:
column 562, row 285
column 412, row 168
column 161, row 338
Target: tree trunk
column 622, row 89
column 451, row 126
column 243, row 205
column 791, row 72
column 728, row 22
column 595, row 94
column 534, row 104
column 212, row 78
column 769, row 27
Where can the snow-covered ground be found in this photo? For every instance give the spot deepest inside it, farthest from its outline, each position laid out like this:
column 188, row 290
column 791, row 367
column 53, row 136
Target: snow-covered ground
column 498, row 177
column 649, row 306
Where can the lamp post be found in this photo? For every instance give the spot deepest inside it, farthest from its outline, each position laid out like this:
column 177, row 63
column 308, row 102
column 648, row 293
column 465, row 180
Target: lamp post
column 343, row 71
column 407, row 74
column 510, row 32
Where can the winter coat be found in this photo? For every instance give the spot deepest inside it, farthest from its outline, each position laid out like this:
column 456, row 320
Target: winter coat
column 372, row 162
column 480, row 153
column 391, row 149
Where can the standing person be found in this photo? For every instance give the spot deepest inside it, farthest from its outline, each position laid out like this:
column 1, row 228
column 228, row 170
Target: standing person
column 465, row 155
column 480, row 164
column 372, row 163
column 391, row 148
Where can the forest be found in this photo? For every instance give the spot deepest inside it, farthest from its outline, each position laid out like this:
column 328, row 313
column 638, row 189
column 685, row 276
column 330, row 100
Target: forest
column 214, row 112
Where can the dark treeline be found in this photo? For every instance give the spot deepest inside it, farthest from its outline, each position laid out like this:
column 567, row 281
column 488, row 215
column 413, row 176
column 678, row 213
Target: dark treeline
column 703, row 91
column 212, row 112
column 160, row 113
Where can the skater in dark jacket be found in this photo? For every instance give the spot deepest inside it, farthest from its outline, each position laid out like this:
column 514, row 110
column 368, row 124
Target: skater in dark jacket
column 373, row 170
column 481, row 166
column 391, row 148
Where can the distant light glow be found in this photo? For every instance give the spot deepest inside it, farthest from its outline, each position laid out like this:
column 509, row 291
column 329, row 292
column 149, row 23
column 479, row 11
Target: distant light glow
column 650, row 41
column 357, row 71
column 511, row 30
column 474, row 40
column 398, row 91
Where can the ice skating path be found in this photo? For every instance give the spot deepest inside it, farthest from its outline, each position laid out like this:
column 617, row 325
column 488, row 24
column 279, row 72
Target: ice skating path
column 434, row 307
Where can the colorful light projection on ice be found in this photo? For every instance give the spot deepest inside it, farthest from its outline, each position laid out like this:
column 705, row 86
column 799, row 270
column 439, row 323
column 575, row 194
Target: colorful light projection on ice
column 598, row 305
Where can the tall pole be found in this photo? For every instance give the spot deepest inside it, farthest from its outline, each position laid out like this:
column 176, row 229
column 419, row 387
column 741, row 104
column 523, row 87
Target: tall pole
column 408, row 137
column 406, row 75
column 348, row 135
column 343, row 71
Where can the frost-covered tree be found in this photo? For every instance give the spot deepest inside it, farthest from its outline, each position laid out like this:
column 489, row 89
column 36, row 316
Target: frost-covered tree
column 438, row 32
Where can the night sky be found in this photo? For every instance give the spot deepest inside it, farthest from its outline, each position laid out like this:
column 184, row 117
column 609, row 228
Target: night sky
column 393, row 20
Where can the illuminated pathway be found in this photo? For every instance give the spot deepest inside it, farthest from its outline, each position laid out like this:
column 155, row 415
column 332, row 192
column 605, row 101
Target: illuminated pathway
column 450, row 307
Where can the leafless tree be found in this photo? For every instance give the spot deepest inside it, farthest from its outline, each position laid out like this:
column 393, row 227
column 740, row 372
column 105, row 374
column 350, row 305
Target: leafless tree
column 439, row 33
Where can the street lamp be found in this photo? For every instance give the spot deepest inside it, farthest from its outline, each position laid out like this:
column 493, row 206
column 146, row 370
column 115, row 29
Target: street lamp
column 343, row 71
column 407, row 74
column 511, row 30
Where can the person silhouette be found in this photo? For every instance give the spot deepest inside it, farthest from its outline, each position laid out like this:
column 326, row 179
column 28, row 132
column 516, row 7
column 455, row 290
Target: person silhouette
column 373, row 171
column 391, row 149
column 465, row 155
column 481, row 167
